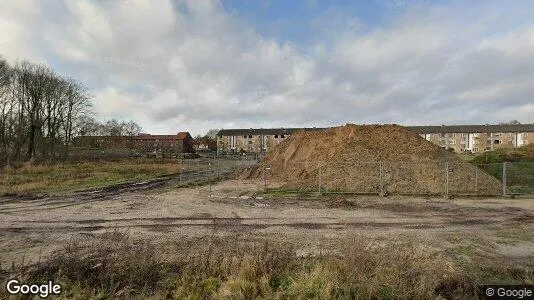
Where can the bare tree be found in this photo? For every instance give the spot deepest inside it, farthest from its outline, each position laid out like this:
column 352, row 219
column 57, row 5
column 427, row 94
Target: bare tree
column 113, row 128
column 212, row 133
column 77, row 105
column 6, row 110
column 131, row 128
column 87, row 125
column 36, row 82
column 38, row 108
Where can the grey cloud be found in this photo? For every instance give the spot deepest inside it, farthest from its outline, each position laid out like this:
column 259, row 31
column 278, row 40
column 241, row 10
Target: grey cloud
column 192, row 65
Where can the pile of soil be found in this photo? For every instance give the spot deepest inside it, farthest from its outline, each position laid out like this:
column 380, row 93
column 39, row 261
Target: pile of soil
column 371, row 159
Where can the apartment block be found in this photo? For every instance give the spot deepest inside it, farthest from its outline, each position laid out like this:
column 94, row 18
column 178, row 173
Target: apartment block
column 477, row 138
column 253, row 140
column 460, row 138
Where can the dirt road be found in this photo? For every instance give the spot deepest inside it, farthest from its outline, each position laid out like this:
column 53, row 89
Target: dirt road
column 501, row 229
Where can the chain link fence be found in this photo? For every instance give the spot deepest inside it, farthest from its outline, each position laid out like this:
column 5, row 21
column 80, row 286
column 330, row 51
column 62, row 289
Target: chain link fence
column 406, row 178
column 517, row 178
column 203, row 170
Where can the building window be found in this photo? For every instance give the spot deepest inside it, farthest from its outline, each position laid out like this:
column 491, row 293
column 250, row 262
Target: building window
column 244, row 136
column 276, row 136
column 283, row 136
column 232, row 142
column 250, row 136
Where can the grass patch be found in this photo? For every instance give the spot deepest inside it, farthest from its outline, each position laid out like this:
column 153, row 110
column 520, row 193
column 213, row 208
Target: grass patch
column 467, row 157
column 519, row 170
column 283, row 192
column 521, row 154
column 117, row 267
column 286, row 193
column 61, row 177
column 519, row 234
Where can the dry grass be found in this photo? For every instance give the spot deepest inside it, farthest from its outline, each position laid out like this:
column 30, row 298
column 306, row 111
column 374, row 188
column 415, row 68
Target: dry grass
column 59, row 177
column 118, row 268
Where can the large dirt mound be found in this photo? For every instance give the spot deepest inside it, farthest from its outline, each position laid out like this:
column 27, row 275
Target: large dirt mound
column 371, row 159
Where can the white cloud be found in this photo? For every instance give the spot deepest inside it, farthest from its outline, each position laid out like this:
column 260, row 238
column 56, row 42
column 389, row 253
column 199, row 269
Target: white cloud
column 190, row 65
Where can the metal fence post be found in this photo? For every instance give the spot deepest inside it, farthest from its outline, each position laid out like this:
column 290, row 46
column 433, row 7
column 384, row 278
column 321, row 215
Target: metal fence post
column 209, row 176
column 447, row 181
column 320, row 179
column 504, row 178
column 265, row 179
column 476, row 180
column 381, row 178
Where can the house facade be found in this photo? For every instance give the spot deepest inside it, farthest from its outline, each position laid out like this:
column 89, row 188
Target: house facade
column 204, row 145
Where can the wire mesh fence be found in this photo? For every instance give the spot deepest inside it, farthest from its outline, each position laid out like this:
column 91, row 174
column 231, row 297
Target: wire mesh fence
column 374, row 177
column 520, row 178
column 407, row 178
column 206, row 170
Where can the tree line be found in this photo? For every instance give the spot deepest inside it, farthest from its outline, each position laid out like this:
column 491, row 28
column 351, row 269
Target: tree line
column 41, row 112
column 89, row 126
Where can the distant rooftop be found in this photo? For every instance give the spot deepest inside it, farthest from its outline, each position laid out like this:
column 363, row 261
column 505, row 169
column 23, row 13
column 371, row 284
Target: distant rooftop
column 516, row 128
column 262, row 131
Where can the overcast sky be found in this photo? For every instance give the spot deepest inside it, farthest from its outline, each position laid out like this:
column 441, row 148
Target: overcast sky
column 192, row 65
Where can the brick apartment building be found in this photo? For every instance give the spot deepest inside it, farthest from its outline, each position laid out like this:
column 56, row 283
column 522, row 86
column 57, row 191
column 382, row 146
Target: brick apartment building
column 461, row 138
column 477, row 138
column 181, row 142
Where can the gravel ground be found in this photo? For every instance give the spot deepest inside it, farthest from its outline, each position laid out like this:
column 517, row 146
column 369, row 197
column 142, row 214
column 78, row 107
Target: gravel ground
column 33, row 227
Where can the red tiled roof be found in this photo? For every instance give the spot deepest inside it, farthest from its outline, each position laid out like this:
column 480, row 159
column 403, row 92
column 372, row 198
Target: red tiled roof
column 183, row 135
column 143, row 136
column 178, row 137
